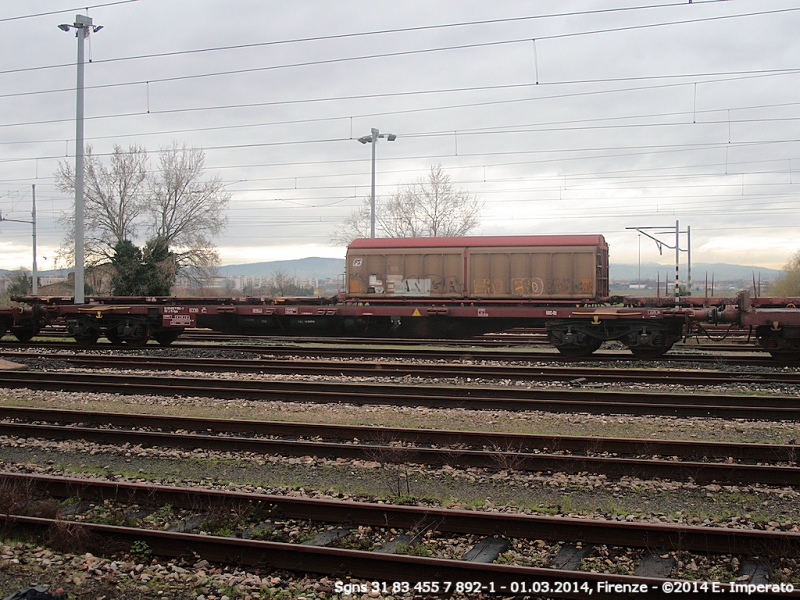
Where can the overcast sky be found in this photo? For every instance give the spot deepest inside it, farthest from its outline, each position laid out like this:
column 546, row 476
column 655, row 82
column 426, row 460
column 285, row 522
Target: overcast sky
column 575, row 116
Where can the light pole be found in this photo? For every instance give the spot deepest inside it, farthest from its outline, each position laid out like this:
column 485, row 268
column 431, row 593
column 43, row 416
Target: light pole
column 373, row 139
column 82, row 26
column 640, row 262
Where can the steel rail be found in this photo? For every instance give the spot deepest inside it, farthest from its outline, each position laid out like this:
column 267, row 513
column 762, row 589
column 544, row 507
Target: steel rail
column 383, row 567
column 499, row 340
column 399, row 349
column 491, row 578
column 386, row 368
column 509, row 340
column 495, row 459
column 517, row 442
column 657, row 536
column 489, row 398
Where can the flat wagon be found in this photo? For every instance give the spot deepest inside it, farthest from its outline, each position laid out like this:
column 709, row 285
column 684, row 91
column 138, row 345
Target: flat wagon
column 436, row 288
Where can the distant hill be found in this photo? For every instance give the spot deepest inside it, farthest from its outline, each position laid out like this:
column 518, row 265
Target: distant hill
column 303, row 268
column 331, row 268
column 720, row 271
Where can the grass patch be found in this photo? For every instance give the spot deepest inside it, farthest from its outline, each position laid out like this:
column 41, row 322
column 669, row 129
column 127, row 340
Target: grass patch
column 510, row 422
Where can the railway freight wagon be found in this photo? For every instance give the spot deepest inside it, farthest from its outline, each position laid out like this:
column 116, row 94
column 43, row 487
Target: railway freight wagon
column 436, row 288
column 545, row 268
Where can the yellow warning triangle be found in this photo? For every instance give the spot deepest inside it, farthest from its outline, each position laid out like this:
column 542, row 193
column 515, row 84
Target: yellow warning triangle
column 416, row 313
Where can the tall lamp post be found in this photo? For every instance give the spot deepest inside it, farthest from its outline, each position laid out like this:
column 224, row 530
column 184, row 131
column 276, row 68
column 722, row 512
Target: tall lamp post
column 82, row 26
column 373, row 139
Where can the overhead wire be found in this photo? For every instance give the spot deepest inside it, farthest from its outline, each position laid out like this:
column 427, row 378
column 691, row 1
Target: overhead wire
column 399, row 53
column 318, row 38
column 430, row 134
column 62, row 11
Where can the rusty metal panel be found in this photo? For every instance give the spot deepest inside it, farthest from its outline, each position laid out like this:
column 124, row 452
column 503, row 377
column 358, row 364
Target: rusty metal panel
column 408, row 272
column 536, row 272
column 453, row 270
column 584, row 273
column 365, row 273
column 574, row 267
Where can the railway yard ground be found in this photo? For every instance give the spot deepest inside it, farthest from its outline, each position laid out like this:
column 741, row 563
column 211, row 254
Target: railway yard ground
column 580, row 486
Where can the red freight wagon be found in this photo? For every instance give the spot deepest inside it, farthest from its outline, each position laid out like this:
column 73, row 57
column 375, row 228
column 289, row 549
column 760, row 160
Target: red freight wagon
column 536, row 267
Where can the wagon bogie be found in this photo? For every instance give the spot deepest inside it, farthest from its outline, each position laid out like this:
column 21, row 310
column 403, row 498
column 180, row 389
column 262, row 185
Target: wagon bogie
column 782, row 342
column 652, row 340
column 117, row 329
column 648, row 338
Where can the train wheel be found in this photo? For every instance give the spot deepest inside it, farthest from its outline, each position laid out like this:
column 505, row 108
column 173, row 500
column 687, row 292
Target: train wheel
column 86, row 341
column 574, row 345
column 649, row 353
column 138, row 336
column 166, row 337
column 575, row 351
column 113, row 336
column 24, row 334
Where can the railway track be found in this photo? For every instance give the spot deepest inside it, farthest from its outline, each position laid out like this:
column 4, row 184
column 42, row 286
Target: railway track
column 581, row 400
column 731, row 340
column 494, row 533
column 576, row 375
column 507, row 340
column 702, row 462
column 368, row 349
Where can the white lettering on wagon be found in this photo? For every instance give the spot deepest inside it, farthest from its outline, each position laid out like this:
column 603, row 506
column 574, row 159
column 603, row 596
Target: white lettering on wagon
column 178, row 321
column 173, row 309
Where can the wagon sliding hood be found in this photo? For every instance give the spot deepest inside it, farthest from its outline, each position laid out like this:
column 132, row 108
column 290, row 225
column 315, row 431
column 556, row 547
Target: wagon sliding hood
column 542, row 267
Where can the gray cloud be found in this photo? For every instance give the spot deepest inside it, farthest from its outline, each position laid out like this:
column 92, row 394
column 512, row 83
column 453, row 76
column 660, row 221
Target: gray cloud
column 641, row 116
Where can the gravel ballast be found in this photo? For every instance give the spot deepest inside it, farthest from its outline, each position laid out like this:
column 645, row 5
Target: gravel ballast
column 24, row 563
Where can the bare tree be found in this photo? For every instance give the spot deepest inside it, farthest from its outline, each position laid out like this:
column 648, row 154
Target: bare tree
column 281, row 280
column 181, row 209
column 429, row 207
column 356, row 225
column 186, row 211
column 114, row 198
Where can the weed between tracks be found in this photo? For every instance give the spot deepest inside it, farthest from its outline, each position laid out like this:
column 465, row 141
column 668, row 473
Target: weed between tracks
column 578, row 495
column 510, row 422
